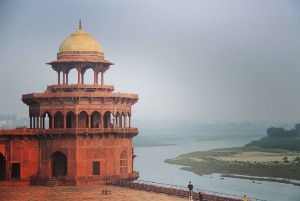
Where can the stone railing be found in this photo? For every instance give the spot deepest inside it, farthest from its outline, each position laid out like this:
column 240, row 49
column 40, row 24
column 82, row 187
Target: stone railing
column 78, row 94
column 72, row 86
column 180, row 191
column 76, row 131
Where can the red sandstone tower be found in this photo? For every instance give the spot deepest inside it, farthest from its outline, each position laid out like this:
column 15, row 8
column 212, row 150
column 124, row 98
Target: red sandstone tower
column 79, row 133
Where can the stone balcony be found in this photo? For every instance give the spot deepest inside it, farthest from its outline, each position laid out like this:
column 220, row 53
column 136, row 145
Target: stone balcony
column 71, row 132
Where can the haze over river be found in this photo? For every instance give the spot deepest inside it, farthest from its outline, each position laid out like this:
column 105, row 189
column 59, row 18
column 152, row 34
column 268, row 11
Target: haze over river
column 150, row 163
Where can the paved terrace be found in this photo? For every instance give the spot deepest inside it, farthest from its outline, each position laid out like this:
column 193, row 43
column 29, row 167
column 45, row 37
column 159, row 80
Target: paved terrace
column 91, row 193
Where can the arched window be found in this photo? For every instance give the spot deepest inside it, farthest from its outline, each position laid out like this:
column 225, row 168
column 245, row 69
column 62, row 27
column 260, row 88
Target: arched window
column 123, row 163
column 71, row 120
column 95, row 120
column 108, row 119
column 59, row 120
column 58, row 164
column 83, row 120
column 47, row 120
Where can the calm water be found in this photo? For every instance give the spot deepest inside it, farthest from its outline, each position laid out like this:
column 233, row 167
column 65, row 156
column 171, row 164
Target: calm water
column 150, row 163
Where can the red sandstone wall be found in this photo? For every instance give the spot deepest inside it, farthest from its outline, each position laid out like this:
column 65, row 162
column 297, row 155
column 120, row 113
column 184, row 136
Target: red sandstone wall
column 105, row 150
column 35, row 156
column 82, row 152
column 26, row 153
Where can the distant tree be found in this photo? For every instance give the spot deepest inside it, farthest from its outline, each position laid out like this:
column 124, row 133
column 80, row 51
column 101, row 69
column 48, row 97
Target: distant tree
column 281, row 133
column 21, row 127
column 276, row 132
column 290, row 134
column 297, row 129
column 271, row 132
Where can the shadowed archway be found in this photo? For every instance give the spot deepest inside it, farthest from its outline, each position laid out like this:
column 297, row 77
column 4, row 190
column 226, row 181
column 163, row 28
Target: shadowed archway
column 58, row 164
column 2, row 167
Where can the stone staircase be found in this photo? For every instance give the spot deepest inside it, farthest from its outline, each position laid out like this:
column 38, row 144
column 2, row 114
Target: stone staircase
column 52, row 182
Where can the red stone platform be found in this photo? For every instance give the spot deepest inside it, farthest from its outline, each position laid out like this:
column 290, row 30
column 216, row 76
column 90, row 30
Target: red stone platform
column 91, row 193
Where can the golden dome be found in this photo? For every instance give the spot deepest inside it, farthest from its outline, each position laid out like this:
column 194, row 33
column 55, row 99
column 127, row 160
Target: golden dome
column 80, row 41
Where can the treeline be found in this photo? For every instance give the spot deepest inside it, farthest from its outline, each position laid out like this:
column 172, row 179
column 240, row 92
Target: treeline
column 279, row 138
column 282, row 133
column 276, row 143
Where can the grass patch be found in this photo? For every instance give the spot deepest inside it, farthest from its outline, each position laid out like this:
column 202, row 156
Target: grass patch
column 216, row 161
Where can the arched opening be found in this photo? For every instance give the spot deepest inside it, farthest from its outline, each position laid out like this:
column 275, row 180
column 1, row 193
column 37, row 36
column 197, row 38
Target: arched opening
column 123, row 162
column 108, row 120
column 59, row 120
column 96, row 156
column 71, row 120
column 47, row 120
column 123, row 120
column 87, row 72
column 72, row 76
column 58, row 162
column 95, row 120
column 83, row 120
column 127, row 120
column 118, row 120
column 2, row 167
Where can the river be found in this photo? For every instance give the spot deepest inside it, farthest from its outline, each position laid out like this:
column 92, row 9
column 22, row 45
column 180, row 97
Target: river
column 150, row 163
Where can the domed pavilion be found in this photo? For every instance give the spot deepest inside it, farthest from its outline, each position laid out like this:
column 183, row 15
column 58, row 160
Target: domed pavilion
column 80, row 134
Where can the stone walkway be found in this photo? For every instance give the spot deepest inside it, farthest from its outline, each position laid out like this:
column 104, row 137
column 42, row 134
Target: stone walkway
column 91, row 193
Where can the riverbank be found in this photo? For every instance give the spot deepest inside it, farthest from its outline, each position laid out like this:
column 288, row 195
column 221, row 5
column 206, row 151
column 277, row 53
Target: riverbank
column 243, row 161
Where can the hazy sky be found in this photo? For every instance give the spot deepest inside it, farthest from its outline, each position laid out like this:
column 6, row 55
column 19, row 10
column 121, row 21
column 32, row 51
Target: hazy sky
column 203, row 61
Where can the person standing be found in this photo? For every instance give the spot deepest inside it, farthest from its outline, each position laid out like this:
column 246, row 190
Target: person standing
column 201, row 194
column 190, row 186
column 246, row 198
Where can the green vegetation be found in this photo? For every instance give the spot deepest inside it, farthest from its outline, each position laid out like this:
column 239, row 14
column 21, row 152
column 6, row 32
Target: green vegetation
column 21, row 127
column 277, row 156
column 291, row 144
column 207, row 162
column 279, row 138
column 282, row 133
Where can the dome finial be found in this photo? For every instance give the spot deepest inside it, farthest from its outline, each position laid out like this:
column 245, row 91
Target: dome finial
column 79, row 23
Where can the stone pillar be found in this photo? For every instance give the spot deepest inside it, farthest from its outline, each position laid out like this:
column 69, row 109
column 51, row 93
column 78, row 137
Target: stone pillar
column 33, row 122
column 97, row 74
column 121, row 121
column 95, row 79
column 64, row 78
column 52, row 121
column 102, row 78
column 77, row 123
column 129, row 121
column 67, row 78
column 78, row 76
column 41, row 122
column 58, row 78
column 8, row 174
column 125, row 123
column 37, row 122
column 65, row 120
column 30, row 122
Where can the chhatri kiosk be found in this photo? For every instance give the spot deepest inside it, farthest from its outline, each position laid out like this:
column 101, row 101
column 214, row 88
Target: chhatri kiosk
column 79, row 134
